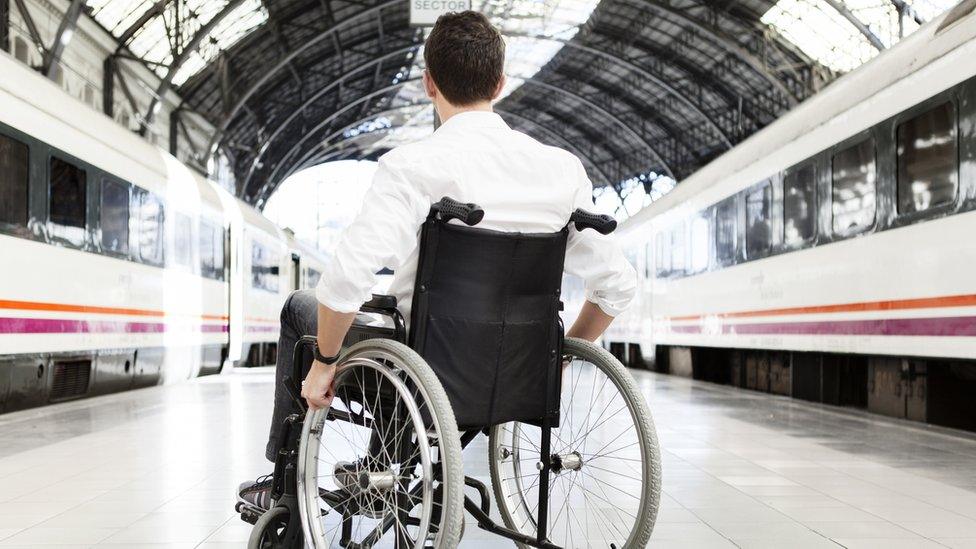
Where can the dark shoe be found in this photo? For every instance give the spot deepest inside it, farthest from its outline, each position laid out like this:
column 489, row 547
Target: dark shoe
column 257, row 492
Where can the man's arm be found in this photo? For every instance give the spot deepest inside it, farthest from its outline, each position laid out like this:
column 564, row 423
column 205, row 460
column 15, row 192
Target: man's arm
column 317, row 387
column 382, row 235
column 591, row 322
column 610, row 280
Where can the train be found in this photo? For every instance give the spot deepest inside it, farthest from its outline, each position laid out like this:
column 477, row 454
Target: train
column 122, row 267
column 829, row 257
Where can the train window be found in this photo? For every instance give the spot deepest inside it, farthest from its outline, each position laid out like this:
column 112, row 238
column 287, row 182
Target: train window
column 631, row 256
column 312, row 278
column 699, row 244
column 648, row 251
column 663, row 257
column 726, row 230
column 211, row 251
column 114, row 217
column 183, row 251
column 678, row 249
column 21, row 50
column 853, row 188
column 800, row 205
column 928, row 173
column 264, row 268
column 150, row 217
column 14, row 180
column 759, row 233
column 67, row 200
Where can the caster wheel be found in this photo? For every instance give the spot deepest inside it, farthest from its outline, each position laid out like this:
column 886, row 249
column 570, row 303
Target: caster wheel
column 270, row 530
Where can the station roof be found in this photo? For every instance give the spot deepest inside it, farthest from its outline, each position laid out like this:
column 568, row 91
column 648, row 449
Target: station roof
column 639, row 89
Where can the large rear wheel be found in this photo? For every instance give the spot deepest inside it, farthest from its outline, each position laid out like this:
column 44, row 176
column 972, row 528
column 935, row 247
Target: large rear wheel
column 382, row 468
column 605, row 487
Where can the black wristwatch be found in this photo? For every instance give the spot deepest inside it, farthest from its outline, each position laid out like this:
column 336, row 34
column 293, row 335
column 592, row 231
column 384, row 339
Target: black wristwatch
column 327, row 360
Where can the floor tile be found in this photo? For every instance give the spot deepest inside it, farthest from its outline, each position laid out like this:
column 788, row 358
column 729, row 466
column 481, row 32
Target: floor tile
column 39, row 536
column 741, row 469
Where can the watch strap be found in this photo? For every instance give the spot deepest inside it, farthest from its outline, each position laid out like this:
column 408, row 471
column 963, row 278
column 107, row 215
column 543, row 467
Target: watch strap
column 327, row 360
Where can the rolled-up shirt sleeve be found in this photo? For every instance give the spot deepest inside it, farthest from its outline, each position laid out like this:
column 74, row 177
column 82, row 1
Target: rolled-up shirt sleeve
column 382, row 235
column 610, row 280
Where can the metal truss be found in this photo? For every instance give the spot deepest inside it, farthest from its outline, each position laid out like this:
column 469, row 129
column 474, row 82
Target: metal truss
column 331, row 34
column 62, row 37
column 317, row 96
column 552, row 135
column 626, row 101
column 180, row 57
column 639, row 76
column 865, row 31
column 611, row 162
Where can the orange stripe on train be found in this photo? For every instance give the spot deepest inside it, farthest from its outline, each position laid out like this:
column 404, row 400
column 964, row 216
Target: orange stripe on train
column 69, row 308
column 900, row 304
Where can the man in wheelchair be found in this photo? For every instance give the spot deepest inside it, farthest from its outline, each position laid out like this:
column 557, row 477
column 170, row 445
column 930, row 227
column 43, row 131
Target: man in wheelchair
column 469, row 341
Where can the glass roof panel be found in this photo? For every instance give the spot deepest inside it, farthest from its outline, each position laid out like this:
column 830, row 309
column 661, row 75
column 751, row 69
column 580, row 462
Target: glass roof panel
column 823, row 33
column 178, row 23
column 529, row 27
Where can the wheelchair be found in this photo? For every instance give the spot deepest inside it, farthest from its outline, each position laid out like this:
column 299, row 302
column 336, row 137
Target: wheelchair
column 573, row 454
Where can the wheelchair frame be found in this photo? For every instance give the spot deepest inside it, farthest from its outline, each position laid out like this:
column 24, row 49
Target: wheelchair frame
column 285, row 484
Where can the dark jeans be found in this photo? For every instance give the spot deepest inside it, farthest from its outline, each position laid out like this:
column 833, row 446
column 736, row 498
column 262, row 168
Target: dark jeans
column 299, row 317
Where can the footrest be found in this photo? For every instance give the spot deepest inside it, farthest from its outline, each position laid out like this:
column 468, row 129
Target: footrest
column 249, row 513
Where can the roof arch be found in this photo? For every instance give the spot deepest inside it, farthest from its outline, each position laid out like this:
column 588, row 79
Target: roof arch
column 637, row 88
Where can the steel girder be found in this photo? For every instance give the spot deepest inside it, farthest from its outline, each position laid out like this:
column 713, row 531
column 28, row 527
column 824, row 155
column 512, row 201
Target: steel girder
column 660, row 84
column 638, row 76
column 550, row 133
column 605, row 155
column 198, row 37
column 289, row 58
column 66, row 29
column 701, row 60
column 360, row 79
column 642, row 115
column 865, row 31
column 315, row 96
column 296, row 149
column 702, row 28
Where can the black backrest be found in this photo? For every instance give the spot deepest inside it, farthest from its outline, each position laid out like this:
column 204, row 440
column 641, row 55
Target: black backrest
column 486, row 318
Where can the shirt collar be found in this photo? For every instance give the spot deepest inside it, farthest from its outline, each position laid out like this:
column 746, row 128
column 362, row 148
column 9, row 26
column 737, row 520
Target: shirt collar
column 474, row 119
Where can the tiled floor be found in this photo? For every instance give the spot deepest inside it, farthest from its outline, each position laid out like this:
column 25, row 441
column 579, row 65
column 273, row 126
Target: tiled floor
column 156, row 468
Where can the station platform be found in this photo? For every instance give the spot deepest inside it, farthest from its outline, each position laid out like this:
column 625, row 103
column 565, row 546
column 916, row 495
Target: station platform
column 158, row 467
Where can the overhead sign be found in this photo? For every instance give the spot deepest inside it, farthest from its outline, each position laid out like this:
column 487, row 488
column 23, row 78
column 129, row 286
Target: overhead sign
column 424, row 13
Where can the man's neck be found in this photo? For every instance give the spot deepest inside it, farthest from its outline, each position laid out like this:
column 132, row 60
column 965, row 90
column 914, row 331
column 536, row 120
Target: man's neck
column 445, row 110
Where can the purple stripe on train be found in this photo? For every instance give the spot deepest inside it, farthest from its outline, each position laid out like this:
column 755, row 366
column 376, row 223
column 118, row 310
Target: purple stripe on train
column 952, row 326
column 68, row 326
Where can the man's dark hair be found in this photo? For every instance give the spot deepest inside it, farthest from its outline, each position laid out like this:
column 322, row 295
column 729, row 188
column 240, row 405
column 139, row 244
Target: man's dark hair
column 465, row 56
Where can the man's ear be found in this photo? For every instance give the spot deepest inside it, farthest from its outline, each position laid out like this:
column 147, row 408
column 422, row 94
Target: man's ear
column 429, row 86
column 501, row 86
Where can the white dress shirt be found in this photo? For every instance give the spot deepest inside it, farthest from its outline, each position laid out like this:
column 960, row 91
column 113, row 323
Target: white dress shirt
column 523, row 186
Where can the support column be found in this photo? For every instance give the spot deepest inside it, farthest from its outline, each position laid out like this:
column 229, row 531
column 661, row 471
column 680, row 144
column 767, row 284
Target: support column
column 108, row 85
column 174, row 134
column 65, row 31
column 5, row 25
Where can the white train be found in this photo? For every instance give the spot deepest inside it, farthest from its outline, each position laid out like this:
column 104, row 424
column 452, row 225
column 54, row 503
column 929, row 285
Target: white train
column 121, row 267
column 831, row 255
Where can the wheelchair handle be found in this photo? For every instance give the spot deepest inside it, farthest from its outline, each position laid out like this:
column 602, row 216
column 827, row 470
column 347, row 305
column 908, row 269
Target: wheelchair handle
column 601, row 223
column 469, row 213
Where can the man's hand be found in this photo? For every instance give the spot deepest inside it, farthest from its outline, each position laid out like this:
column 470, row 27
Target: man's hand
column 317, row 389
